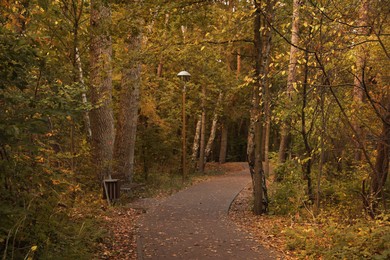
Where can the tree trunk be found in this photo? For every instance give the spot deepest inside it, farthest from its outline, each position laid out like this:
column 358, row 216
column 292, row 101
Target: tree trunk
column 265, row 83
column 160, row 68
column 128, row 109
column 213, row 130
column 202, row 133
column 102, row 120
column 306, row 166
column 258, row 207
column 379, row 177
column 255, row 129
column 322, row 153
column 361, row 60
column 238, row 63
column 285, row 138
column 87, row 121
column 161, row 61
column 224, row 142
column 195, row 146
column 76, row 10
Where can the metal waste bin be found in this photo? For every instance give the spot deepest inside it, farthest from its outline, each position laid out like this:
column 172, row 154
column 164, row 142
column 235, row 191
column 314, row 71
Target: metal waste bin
column 111, row 189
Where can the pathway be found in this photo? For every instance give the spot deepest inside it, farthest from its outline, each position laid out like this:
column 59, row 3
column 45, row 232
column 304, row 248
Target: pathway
column 193, row 224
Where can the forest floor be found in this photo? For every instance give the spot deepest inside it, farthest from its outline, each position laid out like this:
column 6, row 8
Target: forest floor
column 264, row 229
column 128, row 225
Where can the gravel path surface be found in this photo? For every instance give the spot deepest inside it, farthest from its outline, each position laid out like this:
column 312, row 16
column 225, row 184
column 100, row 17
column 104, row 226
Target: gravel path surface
column 193, row 224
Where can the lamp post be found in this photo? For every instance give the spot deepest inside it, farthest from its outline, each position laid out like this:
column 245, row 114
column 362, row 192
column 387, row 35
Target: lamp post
column 184, row 76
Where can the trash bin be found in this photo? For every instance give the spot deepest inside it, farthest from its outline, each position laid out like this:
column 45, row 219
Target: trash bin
column 111, row 189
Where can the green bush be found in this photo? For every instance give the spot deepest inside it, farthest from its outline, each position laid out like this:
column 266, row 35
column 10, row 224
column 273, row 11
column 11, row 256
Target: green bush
column 287, row 195
column 364, row 239
column 37, row 217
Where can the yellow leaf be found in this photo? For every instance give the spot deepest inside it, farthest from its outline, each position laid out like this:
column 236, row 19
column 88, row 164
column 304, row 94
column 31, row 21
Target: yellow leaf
column 34, row 248
column 55, row 182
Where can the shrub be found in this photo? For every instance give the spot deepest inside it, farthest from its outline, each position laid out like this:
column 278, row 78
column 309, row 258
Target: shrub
column 365, row 239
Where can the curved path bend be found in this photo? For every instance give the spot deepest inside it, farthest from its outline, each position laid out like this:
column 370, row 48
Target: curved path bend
column 193, row 224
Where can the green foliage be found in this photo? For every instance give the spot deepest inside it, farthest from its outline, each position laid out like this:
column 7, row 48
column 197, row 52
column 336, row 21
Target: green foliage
column 35, row 211
column 363, row 239
column 16, row 57
column 37, row 159
column 288, row 195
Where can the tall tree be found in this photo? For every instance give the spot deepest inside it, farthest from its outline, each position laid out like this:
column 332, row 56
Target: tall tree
column 379, row 177
column 202, row 156
column 102, row 120
column 267, row 35
column 195, row 146
column 255, row 129
column 361, row 54
column 213, row 129
column 128, row 108
column 291, row 81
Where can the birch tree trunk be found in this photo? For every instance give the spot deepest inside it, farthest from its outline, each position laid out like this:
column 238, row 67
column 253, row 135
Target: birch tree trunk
column 87, row 121
column 195, row 146
column 160, row 65
column 102, row 120
column 285, row 138
column 76, row 11
column 128, row 110
column 213, row 130
column 361, row 60
column 265, row 83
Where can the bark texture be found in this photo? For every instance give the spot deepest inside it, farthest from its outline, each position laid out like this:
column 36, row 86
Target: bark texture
column 379, row 177
column 254, row 149
column 102, row 120
column 213, row 130
column 224, row 143
column 195, row 146
column 87, row 121
column 267, row 95
column 361, row 61
column 291, row 81
column 128, row 110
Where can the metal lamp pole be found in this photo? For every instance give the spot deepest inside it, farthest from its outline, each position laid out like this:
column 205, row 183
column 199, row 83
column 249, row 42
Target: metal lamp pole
column 184, row 76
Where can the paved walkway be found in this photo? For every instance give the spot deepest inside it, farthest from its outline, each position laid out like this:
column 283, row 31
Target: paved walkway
column 193, row 224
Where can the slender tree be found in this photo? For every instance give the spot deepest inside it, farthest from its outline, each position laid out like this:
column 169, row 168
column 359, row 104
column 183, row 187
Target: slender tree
column 195, row 146
column 213, row 130
column 254, row 147
column 202, row 157
column 361, row 54
column 224, row 143
column 291, row 81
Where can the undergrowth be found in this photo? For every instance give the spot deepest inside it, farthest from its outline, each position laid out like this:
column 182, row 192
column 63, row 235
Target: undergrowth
column 327, row 238
column 45, row 214
column 340, row 229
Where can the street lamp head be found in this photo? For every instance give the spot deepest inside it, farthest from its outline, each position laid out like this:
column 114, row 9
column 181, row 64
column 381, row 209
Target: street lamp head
column 184, row 75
